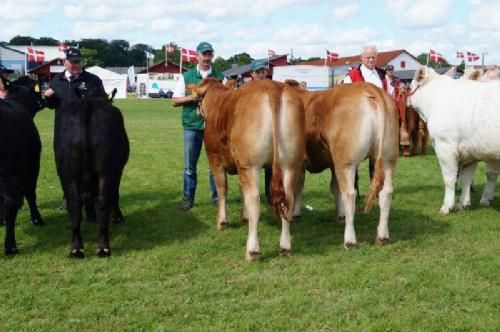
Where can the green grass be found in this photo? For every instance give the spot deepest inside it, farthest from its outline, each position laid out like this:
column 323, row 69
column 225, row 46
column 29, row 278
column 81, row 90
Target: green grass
column 173, row 271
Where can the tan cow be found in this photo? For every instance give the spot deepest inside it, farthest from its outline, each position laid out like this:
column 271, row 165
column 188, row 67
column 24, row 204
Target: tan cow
column 344, row 126
column 259, row 124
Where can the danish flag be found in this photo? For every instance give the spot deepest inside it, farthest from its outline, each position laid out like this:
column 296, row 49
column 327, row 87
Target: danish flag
column 472, row 57
column 188, row 55
column 169, row 48
column 435, row 56
column 35, row 55
column 460, row 55
column 331, row 56
column 270, row 53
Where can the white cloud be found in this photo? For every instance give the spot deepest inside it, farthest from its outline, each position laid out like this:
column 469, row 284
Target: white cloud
column 15, row 28
column 345, row 11
column 108, row 29
column 13, row 10
column 420, row 14
column 72, row 12
column 486, row 16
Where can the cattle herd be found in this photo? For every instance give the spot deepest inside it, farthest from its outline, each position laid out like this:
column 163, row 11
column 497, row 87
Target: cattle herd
column 262, row 123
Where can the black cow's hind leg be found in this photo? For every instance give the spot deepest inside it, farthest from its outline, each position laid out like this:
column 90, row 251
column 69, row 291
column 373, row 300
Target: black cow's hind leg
column 74, row 207
column 11, row 209
column 106, row 199
column 36, row 218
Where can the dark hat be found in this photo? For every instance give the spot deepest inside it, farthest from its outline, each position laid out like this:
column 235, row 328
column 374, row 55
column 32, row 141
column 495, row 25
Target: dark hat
column 5, row 70
column 73, row 54
column 389, row 67
column 257, row 65
column 204, row 47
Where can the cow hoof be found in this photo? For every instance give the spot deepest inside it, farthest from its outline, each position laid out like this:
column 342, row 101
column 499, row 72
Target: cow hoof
column 465, row 207
column 11, row 251
column 382, row 241
column 38, row 222
column 105, row 252
column 484, row 202
column 444, row 210
column 77, row 253
column 244, row 221
column 285, row 252
column 252, row 256
column 221, row 225
column 349, row 246
column 341, row 220
column 118, row 220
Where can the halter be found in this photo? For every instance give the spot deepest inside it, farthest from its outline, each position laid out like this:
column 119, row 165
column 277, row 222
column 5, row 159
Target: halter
column 412, row 93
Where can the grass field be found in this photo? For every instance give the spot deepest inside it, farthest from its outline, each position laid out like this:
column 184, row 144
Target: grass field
column 172, row 271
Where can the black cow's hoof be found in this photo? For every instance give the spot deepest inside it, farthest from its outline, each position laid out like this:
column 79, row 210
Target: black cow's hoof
column 105, row 252
column 118, row 220
column 38, row 222
column 77, row 253
column 11, row 251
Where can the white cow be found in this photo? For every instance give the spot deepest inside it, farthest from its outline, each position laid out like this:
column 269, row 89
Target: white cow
column 463, row 118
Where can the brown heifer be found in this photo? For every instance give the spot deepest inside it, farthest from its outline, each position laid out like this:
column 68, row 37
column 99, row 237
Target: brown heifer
column 259, row 124
column 344, row 126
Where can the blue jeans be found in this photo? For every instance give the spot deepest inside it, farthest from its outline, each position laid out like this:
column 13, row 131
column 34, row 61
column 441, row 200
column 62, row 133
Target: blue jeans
column 193, row 141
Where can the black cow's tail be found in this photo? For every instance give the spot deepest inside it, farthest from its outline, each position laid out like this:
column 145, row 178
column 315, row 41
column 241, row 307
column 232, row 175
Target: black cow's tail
column 278, row 196
column 85, row 167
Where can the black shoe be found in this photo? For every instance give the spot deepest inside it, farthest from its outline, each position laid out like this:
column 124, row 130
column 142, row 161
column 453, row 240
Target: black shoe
column 187, row 203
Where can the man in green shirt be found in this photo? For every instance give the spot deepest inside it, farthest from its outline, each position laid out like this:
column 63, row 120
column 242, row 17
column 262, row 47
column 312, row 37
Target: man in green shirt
column 193, row 122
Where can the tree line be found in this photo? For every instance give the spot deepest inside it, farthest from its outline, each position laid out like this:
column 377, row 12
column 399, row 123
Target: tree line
column 119, row 53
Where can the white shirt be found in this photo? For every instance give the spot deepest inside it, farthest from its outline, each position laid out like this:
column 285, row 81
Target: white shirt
column 371, row 76
column 180, row 88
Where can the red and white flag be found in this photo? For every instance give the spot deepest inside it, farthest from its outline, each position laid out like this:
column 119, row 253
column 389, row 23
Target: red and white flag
column 271, row 53
column 460, row 55
column 35, row 55
column 169, row 48
column 331, row 56
column 188, row 55
column 472, row 57
column 63, row 47
column 435, row 56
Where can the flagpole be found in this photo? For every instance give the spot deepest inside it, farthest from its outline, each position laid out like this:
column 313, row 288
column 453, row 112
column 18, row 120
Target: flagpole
column 180, row 67
column 428, row 55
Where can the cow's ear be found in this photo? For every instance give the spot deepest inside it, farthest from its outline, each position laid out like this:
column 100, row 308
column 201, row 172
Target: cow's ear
column 420, row 74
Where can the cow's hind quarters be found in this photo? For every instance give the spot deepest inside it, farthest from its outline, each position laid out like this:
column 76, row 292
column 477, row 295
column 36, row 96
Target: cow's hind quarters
column 11, row 251
column 104, row 252
column 38, row 222
column 222, row 224
column 382, row 241
column 350, row 246
column 77, row 253
column 285, row 252
column 252, row 256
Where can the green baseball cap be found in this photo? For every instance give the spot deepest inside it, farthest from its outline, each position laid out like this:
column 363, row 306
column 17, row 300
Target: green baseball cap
column 204, row 47
column 257, row 65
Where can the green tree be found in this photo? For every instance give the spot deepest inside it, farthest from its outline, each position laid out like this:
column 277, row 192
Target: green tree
column 22, row 40
column 91, row 58
column 422, row 58
column 47, row 41
column 240, row 59
column 221, row 64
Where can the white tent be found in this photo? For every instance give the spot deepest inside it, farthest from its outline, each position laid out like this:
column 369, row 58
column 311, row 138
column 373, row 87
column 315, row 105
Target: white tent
column 111, row 80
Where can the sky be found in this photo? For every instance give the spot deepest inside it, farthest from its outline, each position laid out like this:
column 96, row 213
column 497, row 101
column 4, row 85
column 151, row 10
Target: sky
column 254, row 26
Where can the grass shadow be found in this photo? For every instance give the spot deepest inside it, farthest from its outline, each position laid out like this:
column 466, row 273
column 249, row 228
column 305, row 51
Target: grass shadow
column 151, row 219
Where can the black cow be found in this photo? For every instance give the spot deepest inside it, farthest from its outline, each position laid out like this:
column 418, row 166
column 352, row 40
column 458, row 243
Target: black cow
column 20, row 149
column 91, row 149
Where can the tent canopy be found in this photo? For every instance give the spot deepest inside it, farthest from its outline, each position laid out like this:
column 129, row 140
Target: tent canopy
column 111, row 80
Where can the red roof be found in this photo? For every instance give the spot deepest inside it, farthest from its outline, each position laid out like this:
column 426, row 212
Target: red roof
column 172, row 68
column 382, row 59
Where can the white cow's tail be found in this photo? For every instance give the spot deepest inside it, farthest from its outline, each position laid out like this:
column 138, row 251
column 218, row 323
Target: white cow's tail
column 277, row 188
column 378, row 175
